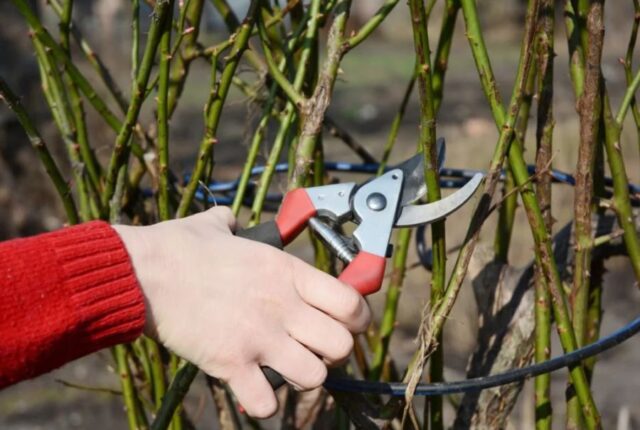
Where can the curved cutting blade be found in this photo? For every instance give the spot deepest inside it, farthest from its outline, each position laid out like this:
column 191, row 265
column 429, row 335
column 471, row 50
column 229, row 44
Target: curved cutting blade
column 414, row 186
column 424, row 214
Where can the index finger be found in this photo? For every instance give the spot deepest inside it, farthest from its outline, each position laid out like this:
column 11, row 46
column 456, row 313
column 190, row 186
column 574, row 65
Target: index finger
column 331, row 296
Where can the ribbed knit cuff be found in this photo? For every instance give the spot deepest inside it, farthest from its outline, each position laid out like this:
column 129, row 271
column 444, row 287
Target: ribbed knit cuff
column 97, row 273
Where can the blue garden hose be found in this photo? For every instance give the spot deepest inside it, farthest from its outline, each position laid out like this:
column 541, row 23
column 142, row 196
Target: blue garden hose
column 483, row 382
column 223, row 193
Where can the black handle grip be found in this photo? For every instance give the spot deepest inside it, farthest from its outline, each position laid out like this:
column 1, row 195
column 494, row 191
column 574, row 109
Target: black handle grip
column 275, row 379
column 267, row 232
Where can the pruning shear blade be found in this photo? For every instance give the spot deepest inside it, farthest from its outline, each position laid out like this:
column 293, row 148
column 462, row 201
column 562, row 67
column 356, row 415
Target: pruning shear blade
column 414, row 185
column 424, row 214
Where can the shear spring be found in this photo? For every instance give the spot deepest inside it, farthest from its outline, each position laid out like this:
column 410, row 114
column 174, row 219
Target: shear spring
column 332, row 239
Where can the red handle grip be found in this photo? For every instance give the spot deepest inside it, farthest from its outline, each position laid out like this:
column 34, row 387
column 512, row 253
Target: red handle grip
column 295, row 211
column 364, row 273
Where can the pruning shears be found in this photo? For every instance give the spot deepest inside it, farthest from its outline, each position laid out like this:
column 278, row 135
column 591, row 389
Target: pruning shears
column 376, row 206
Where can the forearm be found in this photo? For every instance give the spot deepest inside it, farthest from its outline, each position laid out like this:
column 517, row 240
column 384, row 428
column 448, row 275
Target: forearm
column 64, row 295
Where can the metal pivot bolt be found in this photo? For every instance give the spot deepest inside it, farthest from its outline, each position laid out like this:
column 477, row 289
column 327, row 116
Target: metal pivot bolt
column 376, row 202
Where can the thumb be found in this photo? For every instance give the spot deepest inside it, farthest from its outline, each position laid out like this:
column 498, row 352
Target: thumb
column 221, row 215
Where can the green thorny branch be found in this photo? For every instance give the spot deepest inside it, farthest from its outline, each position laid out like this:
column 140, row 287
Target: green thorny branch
column 213, row 110
column 505, row 121
column 59, row 105
column 428, row 146
column 544, row 136
column 621, row 202
column 40, row 146
column 84, row 86
column 311, row 110
column 381, row 366
column 584, row 29
column 122, row 146
column 544, row 255
column 303, row 68
column 589, row 109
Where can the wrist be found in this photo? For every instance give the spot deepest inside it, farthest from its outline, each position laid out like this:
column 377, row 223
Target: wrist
column 142, row 255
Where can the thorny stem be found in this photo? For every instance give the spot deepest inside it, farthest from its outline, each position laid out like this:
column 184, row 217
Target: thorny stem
column 380, row 348
column 122, row 145
column 289, row 114
column 314, row 108
column 460, row 270
column 93, row 59
column 506, row 123
column 589, row 108
column 544, row 137
column 174, row 396
column 40, row 146
column 432, row 180
column 254, row 147
column 214, row 108
column 274, row 70
column 336, row 131
column 509, row 205
column 77, row 108
column 164, row 212
column 163, row 119
column 576, row 57
column 544, row 256
column 395, row 124
column 135, row 413
column 56, row 96
column 191, row 15
column 443, row 50
column 135, row 41
column 628, row 65
column 621, row 198
column 368, row 28
column 58, row 53
column 105, row 76
column 628, row 99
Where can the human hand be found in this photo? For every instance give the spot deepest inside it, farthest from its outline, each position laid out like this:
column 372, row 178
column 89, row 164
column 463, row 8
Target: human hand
column 230, row 305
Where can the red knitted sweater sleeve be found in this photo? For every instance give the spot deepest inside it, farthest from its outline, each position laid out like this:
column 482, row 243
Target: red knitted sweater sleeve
column 63, row 295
